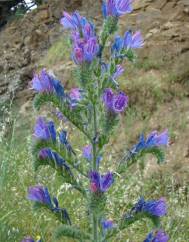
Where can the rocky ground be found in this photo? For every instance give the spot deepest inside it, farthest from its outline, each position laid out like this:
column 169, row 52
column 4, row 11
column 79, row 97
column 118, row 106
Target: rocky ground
column 164, row 23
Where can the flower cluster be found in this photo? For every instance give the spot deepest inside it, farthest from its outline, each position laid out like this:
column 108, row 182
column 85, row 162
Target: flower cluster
column 85, row 42
column 154, row 140
column 128, row 42
column 44, row 130
column 156, row 208
column 46, row 83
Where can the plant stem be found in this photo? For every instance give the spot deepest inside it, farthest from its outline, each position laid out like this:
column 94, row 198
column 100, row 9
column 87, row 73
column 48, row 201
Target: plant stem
column 95, row 218
column 95, row 228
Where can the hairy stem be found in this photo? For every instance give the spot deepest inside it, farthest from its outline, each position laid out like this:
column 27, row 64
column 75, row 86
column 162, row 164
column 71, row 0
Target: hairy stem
column 95, row 218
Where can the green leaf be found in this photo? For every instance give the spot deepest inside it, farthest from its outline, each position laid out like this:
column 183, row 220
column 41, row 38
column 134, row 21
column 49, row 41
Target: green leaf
column 68, row 178
column 74, row 117
column 70, row 232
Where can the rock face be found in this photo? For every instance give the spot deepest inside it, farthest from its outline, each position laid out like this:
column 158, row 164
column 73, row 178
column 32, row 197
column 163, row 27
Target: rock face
column 5, row 7
column 164, row 23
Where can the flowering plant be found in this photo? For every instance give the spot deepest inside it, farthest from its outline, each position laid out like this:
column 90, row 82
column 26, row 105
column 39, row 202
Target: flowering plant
column 94, row 108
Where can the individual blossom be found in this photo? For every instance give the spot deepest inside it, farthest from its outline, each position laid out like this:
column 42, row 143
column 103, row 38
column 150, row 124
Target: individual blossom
column 74, row 21
column 44, row 130
column 133, row 41
column 63, row 137
column 157, row 236
column 156, row 208
column 46, row 83
column 30, row 239
column 107, row 225
column 118, row 72
column 154, row 140
column 115, row 103
column 75, row 95
column 44, row 153
column 87, row 152
column 118, row 45
column 100, row 183
column 116, row 8
column 40, row 194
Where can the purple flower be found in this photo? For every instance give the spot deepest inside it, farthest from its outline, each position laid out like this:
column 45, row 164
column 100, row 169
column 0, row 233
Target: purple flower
column 119, row 71
column 81, row 27
column 153, row 140
column 156, row 208
column 85, row 51
column 115, row 103
column 44, row 82
column 75, row 96
column 157, row 140
column 133, row 41
column 74, row 21
column 45, row 153
column 39, row 194
column 120, row 102
column 157, row 236
column 107, row 224
column 100, row 183
column 28, row 239
column 87, row 152
column 63, row 137
column 118, row 45
column 116, row 8
column 44, row 130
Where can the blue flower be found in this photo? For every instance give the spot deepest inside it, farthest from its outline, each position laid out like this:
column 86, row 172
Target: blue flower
column 116, row 8
column 75, row 95
column 118, row 45
column 107, row 224
column 44, row 130
column 129, row 41
column 85, row 50
column 156, row 208
column 74, row 21
column 118, row 72
column 153, row 140
column 64, row 214
column 100, row 183
column 28, row 239
column 39, row 194
column 157, row 236
column 133, row 41
column 47, row 153
column 63, row 137
column 45, row 82
column 115, row 103
column 87, row 152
